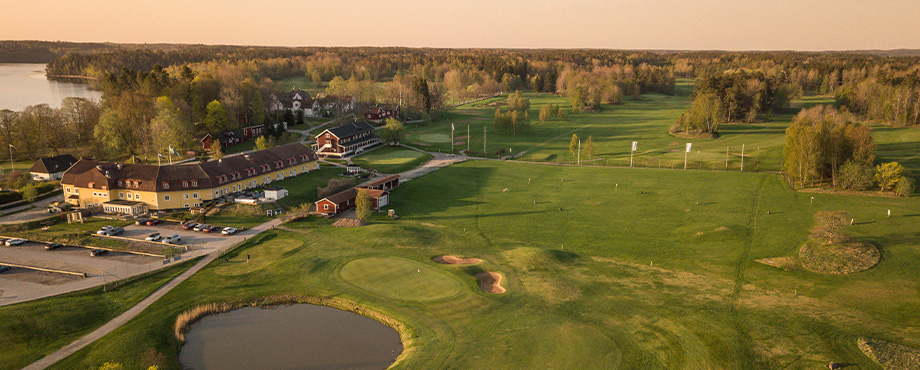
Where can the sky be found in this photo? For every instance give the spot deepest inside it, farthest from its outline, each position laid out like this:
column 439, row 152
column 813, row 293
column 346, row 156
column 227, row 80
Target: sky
column 611, row 24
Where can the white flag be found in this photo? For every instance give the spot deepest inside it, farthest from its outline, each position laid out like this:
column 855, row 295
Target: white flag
column 688, row 147
column 452, row 126
column 635, row 145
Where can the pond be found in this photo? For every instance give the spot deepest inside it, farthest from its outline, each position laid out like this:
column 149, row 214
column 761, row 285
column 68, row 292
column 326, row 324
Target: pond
column 292, row 337
column 24, row 84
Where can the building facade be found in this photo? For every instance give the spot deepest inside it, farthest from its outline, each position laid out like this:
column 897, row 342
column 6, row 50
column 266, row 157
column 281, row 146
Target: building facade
column 51, row 168
column 91, row 183
column 345, row 140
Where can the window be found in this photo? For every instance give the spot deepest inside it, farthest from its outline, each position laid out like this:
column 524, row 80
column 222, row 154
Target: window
column 325, row 207
column 194, row 183
column 120, row 183
column 121, row 195
column 184, row 184
column 68, row 190
column 186, row 195
column 166, row 197
column 195, row 195
column 136, row 184
column 197, row 204
column 186, row 205
column 165, row 185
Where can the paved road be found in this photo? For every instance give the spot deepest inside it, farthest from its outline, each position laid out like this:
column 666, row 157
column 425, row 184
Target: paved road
column 210, row 255
column 40, row 211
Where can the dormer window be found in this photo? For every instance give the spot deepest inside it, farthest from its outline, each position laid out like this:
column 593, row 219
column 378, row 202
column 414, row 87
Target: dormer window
column 136, row 184
column 194, row 183
column 91, row 185
column 165, row 185
column 121, row 183
column 184, row 184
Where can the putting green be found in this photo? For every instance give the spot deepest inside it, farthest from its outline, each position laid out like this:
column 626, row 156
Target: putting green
column 400, row 278
column 434, row 138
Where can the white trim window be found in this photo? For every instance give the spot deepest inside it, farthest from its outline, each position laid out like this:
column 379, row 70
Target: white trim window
column 185, row 196
column 166, row 197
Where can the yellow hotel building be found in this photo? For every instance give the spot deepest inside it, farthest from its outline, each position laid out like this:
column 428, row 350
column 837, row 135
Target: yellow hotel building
column 136, row 188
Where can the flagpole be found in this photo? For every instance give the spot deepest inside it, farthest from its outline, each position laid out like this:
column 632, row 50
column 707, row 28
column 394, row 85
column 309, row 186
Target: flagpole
column 11, row 158
column 468, row 138
column 451, row 137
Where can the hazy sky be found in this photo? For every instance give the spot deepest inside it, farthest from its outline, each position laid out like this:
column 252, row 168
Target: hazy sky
column 648, row 24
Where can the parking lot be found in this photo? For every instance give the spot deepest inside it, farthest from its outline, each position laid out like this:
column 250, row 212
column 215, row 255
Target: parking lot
column 25, row 283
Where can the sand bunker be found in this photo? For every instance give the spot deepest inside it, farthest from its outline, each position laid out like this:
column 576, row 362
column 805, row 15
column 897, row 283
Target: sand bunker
column 490, row 282
column 454, row 260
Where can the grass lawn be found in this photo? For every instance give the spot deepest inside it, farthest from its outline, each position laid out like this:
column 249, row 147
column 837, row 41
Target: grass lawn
column 609, row 269
column 302, row 189
column 34, row 329
column 390, row 159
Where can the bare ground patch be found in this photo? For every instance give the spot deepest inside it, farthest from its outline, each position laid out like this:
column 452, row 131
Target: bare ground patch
column 453, row 260
column 490, row 282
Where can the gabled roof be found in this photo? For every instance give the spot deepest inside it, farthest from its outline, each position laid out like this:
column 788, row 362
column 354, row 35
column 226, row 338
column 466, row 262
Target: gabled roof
column 352, row 193
column 54, row 164
column 152, row 178
column 349, row 129
column 381, row 181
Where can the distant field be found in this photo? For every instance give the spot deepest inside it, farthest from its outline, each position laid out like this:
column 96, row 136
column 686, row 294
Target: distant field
column 606, row 268
column 391, row 159
column 646, row 120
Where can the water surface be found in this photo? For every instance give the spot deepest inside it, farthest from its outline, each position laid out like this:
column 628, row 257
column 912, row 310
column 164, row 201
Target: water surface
column 297, row 337
column 24, row 84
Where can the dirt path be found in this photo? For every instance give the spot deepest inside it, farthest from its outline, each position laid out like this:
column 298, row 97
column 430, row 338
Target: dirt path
column 132, row 312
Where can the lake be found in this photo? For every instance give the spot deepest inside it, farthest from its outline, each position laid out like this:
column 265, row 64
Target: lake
column 296, row 337
column 24, row 84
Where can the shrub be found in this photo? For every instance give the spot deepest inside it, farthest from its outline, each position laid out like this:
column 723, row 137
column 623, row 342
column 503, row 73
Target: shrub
column 905, row 187
column 888, row 175
column 856, row 176
column 29, row 192
column 10, row 196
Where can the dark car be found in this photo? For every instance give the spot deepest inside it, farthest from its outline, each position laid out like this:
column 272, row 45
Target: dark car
column 4, row 268
column 213, row 229
column 153, row 221
column 53, row 246
column 98, row 252
column 141, row 221
column 201, row 227
column 189, row 226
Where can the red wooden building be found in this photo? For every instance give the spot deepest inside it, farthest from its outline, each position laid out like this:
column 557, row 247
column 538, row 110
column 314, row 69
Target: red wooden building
column 380, row 112
column 387, row 183
column 345, row 140
column 343, row 201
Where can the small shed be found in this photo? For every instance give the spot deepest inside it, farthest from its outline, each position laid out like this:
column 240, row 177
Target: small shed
column 275, row 193
column 387, row 183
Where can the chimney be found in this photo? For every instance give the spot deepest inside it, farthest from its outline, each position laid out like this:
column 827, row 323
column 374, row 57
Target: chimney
column 107, row 174
column 118, row 165
column 99, row 167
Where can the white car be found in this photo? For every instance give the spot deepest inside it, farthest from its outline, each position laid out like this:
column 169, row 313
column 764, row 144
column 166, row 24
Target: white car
column 228, row 230
column 172, row 239
column 106, row 230
column 13, row 242
column 153, row 237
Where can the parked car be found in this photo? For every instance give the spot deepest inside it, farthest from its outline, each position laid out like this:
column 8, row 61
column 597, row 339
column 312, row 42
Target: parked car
column 141, row 221
column 4, row 268
column 53, row 246
column 153, row 222
column 13, row 242
column 213, row 229
column 172, row 239
column 201, row 227
column 228, row 230
column 153, row 237
column 189, row 225
column 3, row 241
column 98, row 252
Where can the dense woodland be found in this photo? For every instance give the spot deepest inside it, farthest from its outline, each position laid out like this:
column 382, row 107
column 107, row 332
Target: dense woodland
column 159, row 96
